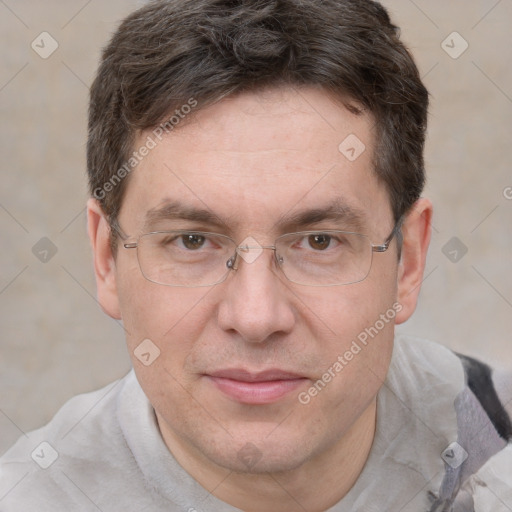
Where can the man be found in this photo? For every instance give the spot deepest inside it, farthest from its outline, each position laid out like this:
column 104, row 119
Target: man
column 256, row 222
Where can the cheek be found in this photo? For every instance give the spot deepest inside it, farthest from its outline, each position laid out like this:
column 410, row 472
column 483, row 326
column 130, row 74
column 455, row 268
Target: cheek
column 342, row 313
column 355, row 362
column 172, row 318
column 354, row 329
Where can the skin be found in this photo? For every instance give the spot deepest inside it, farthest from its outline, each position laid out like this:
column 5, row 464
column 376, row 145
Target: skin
column 252, row 159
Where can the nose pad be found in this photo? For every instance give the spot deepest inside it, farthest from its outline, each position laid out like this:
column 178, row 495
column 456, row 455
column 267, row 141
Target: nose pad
column 231, row 264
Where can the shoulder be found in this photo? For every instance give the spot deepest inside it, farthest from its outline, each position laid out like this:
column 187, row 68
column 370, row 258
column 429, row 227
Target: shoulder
column 95, row 410
column 491, row 486
column 439, row 384
column 83, row 437
column 419, row 365
column 425, row 374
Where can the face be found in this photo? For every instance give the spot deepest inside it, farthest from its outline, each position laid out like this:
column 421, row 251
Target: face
column 238, row 360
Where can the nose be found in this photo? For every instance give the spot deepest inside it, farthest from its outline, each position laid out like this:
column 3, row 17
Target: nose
column 255, row 302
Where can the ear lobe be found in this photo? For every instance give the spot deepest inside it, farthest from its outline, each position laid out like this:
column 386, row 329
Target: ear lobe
column 104, row 263
column 416, row 231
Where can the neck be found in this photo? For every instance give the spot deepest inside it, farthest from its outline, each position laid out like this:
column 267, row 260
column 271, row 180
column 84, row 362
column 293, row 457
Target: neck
column 315, row 486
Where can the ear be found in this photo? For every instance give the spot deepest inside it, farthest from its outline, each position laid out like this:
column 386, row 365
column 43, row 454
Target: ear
column 104, row 263
column 416, row 231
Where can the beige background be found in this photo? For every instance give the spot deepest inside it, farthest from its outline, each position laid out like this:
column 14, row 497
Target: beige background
column 55, row 341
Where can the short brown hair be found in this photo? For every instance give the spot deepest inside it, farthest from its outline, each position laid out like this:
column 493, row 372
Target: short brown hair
column 171, row 51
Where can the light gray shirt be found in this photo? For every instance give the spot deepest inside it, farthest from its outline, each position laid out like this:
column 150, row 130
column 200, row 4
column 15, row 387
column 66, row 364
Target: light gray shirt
column 103, row 451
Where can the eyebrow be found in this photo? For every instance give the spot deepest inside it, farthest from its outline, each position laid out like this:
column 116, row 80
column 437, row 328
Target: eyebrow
column 337, row 211
column 177, row 210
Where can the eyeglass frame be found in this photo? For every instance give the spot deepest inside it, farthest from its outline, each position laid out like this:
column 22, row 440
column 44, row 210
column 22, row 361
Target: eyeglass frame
column 231, row 262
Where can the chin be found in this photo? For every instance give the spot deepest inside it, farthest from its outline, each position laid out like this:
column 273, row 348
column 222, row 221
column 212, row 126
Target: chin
column 259, row 454
column 261, row 461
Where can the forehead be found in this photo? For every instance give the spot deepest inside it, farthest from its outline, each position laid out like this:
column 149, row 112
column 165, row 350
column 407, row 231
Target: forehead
column 261, row 157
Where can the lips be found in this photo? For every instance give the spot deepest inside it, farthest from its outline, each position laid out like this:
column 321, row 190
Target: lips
column 255, row 388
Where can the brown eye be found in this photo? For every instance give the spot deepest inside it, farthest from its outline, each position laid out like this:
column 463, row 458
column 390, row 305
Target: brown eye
column 319, row 242
column 192, row 241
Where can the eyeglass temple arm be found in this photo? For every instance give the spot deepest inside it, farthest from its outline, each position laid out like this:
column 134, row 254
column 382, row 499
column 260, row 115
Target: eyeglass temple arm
column 396, row 232
column 114, row 226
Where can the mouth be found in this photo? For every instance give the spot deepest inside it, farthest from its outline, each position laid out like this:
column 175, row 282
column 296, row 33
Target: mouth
column 255, row 388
